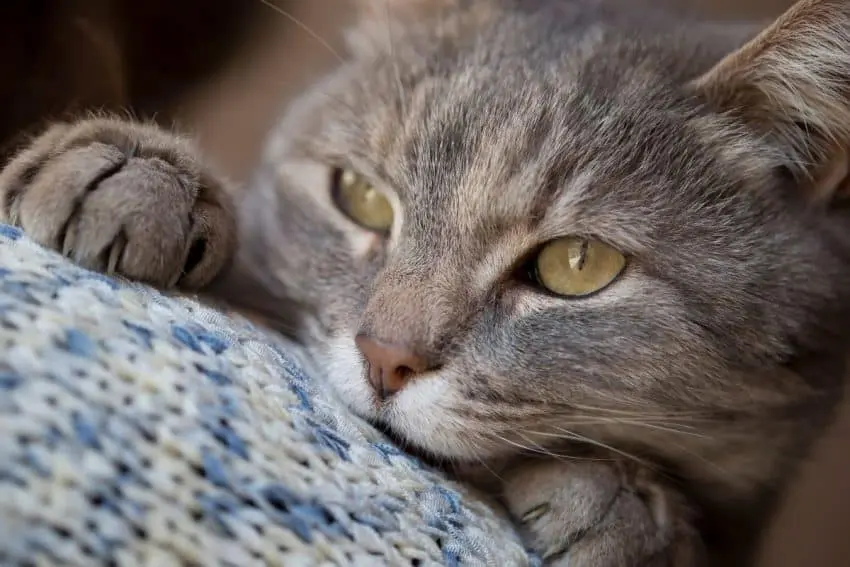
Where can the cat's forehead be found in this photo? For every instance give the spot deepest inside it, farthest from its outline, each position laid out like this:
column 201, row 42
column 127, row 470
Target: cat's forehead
column 490, row 135
column 510, row 138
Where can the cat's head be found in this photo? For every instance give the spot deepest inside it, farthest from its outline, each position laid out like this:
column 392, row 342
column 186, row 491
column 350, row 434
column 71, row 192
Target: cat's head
column 541, row 221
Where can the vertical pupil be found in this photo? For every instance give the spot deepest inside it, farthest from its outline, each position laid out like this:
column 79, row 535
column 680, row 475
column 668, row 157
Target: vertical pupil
column 366, row 194
column 578, row 255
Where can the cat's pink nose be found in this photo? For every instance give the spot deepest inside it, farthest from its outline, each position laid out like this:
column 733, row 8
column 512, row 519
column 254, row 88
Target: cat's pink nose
column 390, row 365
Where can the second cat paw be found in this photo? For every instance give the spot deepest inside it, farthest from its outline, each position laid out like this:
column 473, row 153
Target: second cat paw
column 598, row 514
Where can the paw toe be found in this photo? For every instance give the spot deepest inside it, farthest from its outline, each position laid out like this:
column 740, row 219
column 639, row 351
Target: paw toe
column 121, row 198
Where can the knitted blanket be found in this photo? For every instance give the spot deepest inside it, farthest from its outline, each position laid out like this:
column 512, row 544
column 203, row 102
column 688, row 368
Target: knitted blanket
column 137, row 429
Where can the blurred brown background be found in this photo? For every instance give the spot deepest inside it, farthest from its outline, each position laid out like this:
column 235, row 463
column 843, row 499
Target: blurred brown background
column 223, row 69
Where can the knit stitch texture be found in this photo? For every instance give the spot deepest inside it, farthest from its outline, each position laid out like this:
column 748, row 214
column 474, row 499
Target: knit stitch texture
column 138, row 429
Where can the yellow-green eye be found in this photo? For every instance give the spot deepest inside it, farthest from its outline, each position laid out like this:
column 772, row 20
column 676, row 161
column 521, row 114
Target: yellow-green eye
column 361, row 202
column 574, row 267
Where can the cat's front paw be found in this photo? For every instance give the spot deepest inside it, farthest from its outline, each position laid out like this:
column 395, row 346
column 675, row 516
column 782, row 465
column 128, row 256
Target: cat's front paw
column 122, row 198
column 600, row 514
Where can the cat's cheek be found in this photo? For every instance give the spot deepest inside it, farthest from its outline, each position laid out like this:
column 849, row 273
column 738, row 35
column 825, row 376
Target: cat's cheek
column 343, row 369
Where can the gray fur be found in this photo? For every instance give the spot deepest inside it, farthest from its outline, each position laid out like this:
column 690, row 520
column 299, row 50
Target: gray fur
column 502, row 125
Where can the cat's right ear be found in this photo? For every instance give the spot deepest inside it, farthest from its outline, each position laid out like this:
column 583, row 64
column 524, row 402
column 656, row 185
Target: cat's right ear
column 791, row 85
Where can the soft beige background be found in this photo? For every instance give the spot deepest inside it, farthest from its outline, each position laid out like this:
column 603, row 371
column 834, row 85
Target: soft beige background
column 232, row 113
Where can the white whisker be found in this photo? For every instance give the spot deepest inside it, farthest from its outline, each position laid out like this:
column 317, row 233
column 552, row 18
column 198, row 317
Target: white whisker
column 304, row 27
column 396, row 70
column 573, row 436
column 540, row 450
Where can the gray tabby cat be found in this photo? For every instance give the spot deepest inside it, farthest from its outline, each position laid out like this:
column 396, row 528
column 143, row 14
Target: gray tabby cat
column 508, row 227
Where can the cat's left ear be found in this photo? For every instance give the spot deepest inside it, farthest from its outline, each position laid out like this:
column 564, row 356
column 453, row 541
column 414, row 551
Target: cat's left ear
column 791, row 85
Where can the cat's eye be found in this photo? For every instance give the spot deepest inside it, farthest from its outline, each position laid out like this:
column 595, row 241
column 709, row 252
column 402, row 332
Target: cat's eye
column 361, row 202
column 575, row 267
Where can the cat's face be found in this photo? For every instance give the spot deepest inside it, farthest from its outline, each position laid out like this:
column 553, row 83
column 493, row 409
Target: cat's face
column 570, row 243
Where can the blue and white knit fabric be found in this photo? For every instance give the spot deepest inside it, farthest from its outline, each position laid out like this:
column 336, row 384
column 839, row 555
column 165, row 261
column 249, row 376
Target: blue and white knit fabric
column 137, row 429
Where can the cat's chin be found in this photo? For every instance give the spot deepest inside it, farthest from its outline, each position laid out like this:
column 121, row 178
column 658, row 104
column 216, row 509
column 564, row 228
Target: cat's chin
column 421, row 453
column 452, row 463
